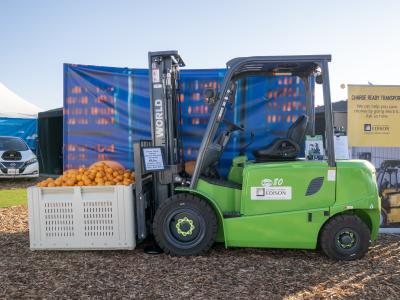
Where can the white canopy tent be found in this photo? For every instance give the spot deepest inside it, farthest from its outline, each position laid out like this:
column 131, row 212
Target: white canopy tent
column 13, row 106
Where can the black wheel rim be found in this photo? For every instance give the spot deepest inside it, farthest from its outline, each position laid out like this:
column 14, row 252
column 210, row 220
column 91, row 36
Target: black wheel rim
column 184, row 228
column 347, row 240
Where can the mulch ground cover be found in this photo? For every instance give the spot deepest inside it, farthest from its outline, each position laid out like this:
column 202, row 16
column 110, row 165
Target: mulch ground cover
column 18, row 183
column 222, row 274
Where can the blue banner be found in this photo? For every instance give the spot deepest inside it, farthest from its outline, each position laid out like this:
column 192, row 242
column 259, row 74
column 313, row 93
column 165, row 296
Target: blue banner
column 107, row 109
column 19, row 127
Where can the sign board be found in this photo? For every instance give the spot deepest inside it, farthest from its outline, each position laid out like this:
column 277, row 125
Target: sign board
column 314, row 147
column 153, row 159
column 373, row 115
column 341, row 147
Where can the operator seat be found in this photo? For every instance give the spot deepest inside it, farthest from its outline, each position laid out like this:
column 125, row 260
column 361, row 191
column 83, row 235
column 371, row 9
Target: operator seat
column 284, row 148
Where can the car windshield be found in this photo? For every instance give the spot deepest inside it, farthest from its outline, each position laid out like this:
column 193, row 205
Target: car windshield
column 12, row 143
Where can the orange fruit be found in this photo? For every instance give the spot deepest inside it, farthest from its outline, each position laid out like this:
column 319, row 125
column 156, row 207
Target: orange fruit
column 109, row 163
column 100, row 173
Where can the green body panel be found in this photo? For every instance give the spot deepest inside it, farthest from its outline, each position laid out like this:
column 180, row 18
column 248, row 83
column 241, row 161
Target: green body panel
column 278, row 230
column 236, row 171
column 293, row 175
column 293, row 222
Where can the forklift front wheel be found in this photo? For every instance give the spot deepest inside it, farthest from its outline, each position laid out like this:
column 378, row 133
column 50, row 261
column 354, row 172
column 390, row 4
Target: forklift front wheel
column 185, row 225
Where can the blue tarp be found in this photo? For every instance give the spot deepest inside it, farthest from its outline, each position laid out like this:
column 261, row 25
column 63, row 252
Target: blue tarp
column 107, row 109
column 19, row 127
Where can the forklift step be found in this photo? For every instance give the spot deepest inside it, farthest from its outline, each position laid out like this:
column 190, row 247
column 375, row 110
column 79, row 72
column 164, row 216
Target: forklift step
column 231, row 214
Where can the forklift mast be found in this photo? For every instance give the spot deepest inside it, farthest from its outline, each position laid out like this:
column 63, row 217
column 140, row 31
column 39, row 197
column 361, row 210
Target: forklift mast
column 164, row 101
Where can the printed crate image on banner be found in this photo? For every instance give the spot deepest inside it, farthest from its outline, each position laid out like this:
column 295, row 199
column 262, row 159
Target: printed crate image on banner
column 106, row 109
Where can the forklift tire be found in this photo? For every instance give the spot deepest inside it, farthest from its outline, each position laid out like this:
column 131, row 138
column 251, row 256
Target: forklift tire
column 345, row 237
column 185, row 225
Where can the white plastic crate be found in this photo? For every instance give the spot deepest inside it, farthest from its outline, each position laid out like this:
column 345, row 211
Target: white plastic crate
column 81, row 218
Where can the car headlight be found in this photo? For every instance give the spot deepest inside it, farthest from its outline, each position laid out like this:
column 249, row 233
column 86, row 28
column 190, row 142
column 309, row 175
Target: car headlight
column 31, row 161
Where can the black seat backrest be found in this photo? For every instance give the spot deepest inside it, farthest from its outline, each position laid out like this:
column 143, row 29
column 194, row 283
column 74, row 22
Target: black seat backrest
column 298, row 129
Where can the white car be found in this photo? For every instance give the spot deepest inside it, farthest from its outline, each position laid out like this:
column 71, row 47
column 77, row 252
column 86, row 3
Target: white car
column 16, row 159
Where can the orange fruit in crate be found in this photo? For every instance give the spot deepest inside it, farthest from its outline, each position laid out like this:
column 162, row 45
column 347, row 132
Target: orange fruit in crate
column 127, row 182
column 70, row 182
column 109, row 163
column 100, row 173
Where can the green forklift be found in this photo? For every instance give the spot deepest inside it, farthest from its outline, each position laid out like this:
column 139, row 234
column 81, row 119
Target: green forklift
column 276, row 200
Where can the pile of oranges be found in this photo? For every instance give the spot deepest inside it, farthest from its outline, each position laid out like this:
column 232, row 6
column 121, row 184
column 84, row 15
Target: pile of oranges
column 97, row 174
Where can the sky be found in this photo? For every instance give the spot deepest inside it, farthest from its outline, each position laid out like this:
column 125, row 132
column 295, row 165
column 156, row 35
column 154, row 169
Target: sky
column 37, row 37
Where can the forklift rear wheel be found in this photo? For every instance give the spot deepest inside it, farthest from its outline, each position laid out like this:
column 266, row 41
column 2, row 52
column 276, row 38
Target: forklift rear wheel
column 185, row 225
column 345, row 237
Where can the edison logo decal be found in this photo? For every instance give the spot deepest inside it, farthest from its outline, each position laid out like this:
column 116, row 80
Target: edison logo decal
column 271, row 190
column 266, row 182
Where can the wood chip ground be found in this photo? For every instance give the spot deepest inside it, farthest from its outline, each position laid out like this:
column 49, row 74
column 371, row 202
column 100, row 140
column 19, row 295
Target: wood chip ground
column 18, row 183
column 222, row 274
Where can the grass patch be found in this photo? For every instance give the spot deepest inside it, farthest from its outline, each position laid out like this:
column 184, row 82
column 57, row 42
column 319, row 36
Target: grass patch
column 13, row 197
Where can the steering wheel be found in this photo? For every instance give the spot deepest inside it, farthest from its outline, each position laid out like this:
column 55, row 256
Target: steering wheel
column 232, row 126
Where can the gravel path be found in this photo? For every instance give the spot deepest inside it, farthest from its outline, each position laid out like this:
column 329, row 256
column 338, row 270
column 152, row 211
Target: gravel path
column 233, row 273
